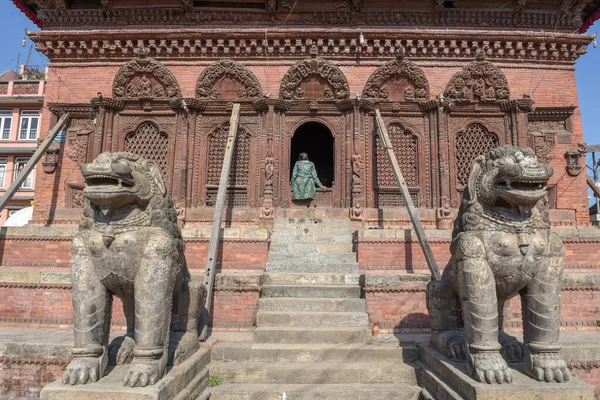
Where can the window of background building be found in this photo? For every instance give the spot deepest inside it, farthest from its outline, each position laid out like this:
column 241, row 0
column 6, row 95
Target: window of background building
column 2, row 171
column 5, row 123
column 12, row 211
column 19, row 165
column 29, row 125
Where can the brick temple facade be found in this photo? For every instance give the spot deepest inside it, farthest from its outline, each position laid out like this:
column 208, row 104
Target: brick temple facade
column 452, row 80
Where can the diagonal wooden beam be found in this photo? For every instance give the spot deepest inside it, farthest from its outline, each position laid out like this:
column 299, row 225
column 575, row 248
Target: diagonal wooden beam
column 14, row 187
column 215, row 233
column 593, row 186
column 412, row 211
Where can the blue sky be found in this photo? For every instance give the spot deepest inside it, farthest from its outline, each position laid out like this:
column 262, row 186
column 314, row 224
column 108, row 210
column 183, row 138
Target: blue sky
column 13, row 24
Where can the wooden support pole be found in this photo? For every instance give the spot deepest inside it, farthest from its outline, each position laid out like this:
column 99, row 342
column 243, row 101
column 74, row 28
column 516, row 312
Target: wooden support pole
column 412, row 212
column 215, row 233
column 14, row 187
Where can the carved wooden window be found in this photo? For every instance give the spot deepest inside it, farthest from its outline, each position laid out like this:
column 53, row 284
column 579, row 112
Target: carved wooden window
column 239, row 171
column 474, row 141
column 149, row 142
column 405, row 147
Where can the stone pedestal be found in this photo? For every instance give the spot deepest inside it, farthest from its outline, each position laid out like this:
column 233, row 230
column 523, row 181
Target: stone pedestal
column 185, row 381
column 445, row 379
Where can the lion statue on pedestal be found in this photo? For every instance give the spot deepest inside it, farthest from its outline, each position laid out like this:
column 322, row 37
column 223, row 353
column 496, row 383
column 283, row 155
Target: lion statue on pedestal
column 502, row 245
column 130, row 246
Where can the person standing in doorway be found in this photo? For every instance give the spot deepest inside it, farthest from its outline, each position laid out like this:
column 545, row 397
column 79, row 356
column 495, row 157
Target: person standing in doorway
column 305, row 179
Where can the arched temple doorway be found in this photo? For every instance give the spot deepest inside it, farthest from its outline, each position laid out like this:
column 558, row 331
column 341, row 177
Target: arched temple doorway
column 317, row 141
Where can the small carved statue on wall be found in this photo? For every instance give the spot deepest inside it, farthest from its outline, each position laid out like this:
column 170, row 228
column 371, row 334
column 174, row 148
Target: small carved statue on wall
column 502, row 245
column 356, row 168
column 272, row 8
column 357, row 212
column 572, row 155
column 51, row 158
column 129, row 245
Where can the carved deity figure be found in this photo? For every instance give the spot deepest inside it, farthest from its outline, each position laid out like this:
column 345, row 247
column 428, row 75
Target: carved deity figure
column 502, row 245
column 129, row 246
column 356, row 168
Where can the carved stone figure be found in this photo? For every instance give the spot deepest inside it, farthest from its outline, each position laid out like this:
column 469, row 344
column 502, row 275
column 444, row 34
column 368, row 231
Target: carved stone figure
column 502, row 246
column 129, row 246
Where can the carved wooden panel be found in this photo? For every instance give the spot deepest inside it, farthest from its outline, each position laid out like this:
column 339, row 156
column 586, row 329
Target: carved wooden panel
column 479, row 81
column 74, row 195
column 78, row 140
column 397, row 80
column 542, row 137
column 405, row 145
column 473, row 141
column 238, row 174
column 227, row 80
column 145, row 77
column 237, row 194
column 149, row 142
column 393, row 198
column 314, row 79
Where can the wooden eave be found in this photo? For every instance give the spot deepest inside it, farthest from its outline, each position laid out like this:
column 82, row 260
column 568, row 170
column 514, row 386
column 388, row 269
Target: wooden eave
column 536, row 14
column 341, row 44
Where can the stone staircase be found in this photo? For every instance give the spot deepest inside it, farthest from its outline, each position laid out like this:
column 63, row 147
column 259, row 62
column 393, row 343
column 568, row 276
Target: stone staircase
column 313, row 338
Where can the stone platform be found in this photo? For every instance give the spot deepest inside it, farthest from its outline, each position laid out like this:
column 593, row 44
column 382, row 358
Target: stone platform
column 185, row 381
column 443, row 379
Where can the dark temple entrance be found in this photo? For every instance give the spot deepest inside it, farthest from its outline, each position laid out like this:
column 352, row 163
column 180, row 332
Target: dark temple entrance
column 316, row 140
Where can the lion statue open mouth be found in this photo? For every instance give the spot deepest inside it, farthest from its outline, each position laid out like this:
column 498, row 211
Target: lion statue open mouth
column 130, row 246
column 502, row 245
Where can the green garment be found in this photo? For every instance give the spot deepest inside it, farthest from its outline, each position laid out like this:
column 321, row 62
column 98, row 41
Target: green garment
column 304, row 179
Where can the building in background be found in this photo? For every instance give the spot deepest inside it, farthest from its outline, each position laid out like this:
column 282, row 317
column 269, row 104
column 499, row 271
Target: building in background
column 21, row 101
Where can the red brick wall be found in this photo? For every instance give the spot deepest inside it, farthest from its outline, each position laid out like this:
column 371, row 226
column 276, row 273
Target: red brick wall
column 550, row 88
column 403, row 308
column 591, row 376
column 51, row 305
column 55, row 252
column 234, row 310
column 396, row 255
column 26, row 377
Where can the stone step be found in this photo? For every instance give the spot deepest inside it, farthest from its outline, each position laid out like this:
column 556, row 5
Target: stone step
column 312, row 291
column 314, row 373
column 323, row 248
column 304, row 212
column 434, row 386
column 315, row 392
column 310, row 220
column 313, row 230
column 298, row 265
column 310, row 239
column 318, row 305
column 310, row 279
column 299, row 318
column 284, row 334
column 315, row 353
column 340, row 258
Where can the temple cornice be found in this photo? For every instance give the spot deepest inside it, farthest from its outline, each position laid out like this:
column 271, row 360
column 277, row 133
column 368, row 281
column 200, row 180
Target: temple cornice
column 343, row 44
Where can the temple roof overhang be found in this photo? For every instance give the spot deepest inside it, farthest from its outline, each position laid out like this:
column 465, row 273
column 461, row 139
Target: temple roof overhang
column 552, row 15
column 342, row 45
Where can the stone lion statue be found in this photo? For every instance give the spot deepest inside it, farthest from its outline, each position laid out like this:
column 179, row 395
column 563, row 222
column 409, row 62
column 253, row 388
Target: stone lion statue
column 502, row 245
column 130, row 246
